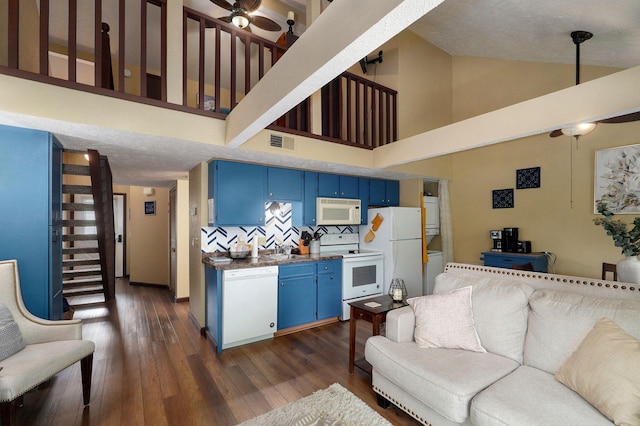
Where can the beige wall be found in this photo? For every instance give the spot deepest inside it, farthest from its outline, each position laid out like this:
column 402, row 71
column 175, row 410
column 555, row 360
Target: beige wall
column 198, row 187
column 149, row 237
column 555, row 217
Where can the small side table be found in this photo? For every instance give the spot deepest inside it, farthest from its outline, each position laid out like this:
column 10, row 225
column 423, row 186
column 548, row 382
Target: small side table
column 376, row 316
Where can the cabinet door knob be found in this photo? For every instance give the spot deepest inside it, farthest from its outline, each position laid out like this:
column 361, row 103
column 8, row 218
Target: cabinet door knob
column 282, row 284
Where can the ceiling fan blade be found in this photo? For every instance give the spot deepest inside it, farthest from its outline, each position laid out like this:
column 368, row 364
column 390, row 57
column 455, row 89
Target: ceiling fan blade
column 249, row 5
column 555, row 133
column 223, row 4
column 265, row 23
column 626, row 118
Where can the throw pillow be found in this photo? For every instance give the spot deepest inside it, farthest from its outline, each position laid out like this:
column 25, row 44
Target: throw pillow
column 10, row 336
column 604, row 371
column 446, row 321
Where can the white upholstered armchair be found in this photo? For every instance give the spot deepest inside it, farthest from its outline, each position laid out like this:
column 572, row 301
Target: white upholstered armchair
column 36, row 349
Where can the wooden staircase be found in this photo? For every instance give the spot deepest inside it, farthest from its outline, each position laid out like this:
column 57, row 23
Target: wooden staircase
column 88, row 233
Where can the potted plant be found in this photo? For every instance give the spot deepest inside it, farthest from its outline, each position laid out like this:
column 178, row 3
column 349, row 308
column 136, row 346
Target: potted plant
column 628, row 240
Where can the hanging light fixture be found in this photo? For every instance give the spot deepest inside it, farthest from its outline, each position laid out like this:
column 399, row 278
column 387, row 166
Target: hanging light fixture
column 240, row 19
column 579, row 129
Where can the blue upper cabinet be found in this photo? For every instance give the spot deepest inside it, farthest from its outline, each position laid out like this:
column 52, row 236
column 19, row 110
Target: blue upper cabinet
column 337, row 186
column 384, row 192
column 284, row 184
column 30, row 219
column 363, row 192
column 310, row 195
column 238, row 193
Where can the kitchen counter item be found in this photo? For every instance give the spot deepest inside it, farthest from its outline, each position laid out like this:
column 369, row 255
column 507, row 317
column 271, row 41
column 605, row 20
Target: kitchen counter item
column 240, row 254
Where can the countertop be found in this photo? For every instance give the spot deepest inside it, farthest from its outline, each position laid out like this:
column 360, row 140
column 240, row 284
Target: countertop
column 262, row 260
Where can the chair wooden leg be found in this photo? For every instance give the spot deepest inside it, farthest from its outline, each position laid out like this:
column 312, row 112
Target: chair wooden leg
column 86, row 366
column 8, row 413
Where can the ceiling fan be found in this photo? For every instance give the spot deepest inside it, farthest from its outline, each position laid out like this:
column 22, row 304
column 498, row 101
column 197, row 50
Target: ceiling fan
column 580, row 129
column 240, row 17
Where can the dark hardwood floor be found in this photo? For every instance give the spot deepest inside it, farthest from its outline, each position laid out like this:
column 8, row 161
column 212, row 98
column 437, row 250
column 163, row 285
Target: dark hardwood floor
column 152, row 367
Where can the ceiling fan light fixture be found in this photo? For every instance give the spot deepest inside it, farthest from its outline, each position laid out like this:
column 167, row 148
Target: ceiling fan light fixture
column 240, row 19
column 579, row 129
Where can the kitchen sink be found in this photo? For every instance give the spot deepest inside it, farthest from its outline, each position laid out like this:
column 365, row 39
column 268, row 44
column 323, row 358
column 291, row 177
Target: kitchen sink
column 282, row 256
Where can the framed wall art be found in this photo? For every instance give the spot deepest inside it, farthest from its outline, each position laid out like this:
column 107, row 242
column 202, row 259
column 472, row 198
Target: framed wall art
column 150, row 208
column 528, row 178
column 617, row 179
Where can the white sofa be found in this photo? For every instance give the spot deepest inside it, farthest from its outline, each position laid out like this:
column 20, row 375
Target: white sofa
column 529, row 323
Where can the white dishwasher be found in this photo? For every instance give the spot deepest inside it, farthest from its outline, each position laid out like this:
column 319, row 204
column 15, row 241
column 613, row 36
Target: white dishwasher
column 249, row 305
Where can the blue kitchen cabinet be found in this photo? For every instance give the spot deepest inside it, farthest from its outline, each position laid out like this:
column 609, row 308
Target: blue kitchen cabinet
column 30, row 215
column 337, row 186
column 310, row 195
column 329, row 277
column 363, row 195
column 384, row 192
column 213, row 303
column 284, row 184
column 238, row 193
column 296, row 294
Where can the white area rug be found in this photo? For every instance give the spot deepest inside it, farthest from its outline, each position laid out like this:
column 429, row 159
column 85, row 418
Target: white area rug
column 333, row 406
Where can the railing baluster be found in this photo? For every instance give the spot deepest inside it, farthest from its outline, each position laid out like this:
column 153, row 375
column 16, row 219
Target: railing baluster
column 201, row 64
column 122, row 45
column 14, row 31
column 97, row 43
column 247, row 64
column 44, row 36
column 233, row 68
column 143, row 48
column 72, row 37
column 185, row 21
column 163, row 49
column 218, row 69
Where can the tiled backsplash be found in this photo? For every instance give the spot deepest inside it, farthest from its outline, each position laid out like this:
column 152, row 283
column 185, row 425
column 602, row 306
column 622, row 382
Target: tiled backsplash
column 277, row 230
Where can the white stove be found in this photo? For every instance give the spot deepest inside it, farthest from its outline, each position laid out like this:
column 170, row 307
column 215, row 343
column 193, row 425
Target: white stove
column 362, row 273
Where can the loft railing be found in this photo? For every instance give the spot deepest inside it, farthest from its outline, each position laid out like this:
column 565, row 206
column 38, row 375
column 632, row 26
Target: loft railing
column 221, row 64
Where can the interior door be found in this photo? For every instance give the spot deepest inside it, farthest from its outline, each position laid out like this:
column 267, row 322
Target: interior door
column 119, row 226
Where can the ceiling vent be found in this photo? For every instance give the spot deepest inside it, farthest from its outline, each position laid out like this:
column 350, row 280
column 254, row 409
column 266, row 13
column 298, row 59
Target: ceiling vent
column 280, row 142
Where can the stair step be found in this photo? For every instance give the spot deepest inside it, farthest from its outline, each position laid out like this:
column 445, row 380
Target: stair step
column 83, row 292
column 79, row 262
column 75, row 169
column 77, row 207
column 79, row 223
column 84, row 282
column 74, row 273
column 80, row 237
column 79, row 250
column 76, row 189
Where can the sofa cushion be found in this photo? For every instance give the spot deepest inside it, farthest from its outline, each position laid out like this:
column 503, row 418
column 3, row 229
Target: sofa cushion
column 500, row 309
column 445, row 321
column 443, row 379
column 605, row 370
column 532, row 397
column 559, row 321
column 10, row 336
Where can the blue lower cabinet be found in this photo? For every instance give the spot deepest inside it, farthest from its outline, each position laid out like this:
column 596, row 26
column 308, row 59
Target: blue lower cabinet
column 538, row 261
column 213, row 302
column 309, row 292
column 329, row 289
column 296, row 295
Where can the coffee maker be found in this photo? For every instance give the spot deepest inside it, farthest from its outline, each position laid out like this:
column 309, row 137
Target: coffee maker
column 510, row 240
column 496, row 237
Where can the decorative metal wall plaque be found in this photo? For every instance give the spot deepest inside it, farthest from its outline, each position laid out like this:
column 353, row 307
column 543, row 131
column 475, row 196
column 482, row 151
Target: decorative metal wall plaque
column 503, row 198
column 528, row 178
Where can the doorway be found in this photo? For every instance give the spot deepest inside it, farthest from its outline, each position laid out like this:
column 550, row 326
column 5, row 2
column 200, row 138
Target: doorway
column 119, row 226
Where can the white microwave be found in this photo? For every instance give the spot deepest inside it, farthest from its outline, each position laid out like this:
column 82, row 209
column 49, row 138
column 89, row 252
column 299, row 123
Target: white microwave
column 337, row 211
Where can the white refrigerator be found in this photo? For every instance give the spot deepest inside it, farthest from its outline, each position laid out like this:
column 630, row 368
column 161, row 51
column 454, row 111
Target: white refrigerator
column 399, row 237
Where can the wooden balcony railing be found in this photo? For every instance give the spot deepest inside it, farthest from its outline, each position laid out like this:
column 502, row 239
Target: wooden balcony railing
column 220, row 63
